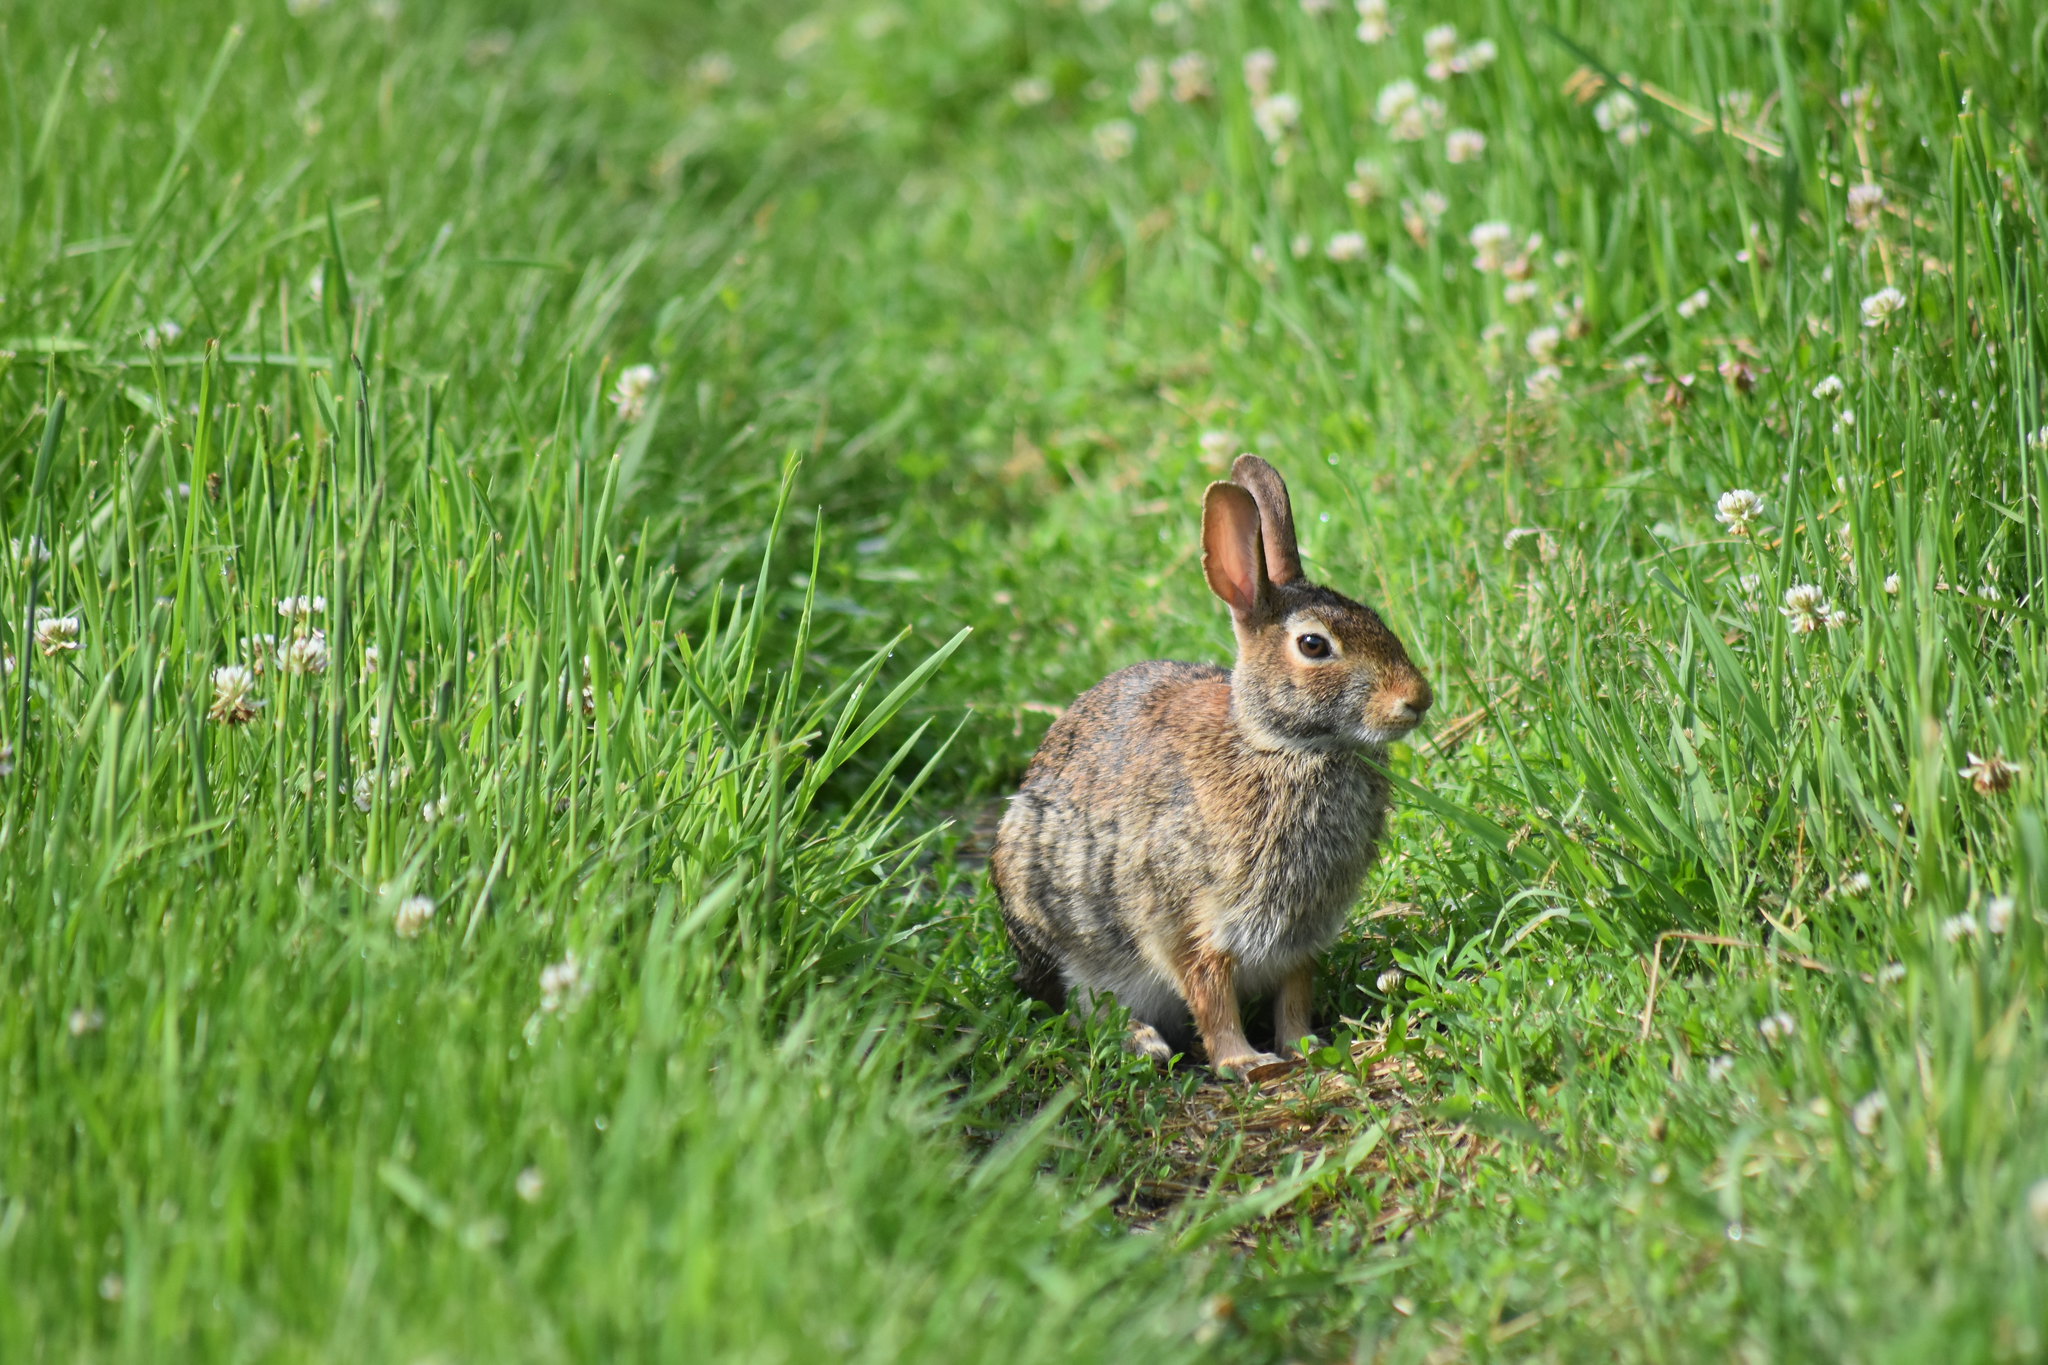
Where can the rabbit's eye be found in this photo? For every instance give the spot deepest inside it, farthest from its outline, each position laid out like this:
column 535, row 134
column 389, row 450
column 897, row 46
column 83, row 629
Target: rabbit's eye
column 1312, row 646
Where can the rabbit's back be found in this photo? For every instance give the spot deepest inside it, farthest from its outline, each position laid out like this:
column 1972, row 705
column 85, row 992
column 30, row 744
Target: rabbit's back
column 1099, row 844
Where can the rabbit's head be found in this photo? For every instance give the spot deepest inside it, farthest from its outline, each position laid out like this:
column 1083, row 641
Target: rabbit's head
column 1315, row 670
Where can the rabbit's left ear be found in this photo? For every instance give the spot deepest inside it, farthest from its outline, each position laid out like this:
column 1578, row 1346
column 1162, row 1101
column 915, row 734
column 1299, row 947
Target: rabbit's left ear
column 1276, row 516
column 1230, row 549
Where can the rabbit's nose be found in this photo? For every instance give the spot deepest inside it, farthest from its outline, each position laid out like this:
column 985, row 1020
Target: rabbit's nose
column 1413, row 699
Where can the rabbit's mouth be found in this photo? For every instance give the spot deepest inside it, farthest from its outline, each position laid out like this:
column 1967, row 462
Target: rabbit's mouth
column 1381, row 731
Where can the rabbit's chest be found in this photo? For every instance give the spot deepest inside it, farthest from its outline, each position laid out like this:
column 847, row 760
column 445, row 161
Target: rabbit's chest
column 1299, row 880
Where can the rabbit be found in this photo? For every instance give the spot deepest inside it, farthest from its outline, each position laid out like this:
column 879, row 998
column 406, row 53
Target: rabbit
column 1187, row 837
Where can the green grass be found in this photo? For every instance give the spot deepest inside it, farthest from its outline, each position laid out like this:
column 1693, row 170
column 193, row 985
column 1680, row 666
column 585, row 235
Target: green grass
column 686, row 695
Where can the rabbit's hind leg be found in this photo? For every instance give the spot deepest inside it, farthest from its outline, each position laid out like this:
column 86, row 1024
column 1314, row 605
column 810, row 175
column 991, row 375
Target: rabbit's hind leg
column 1291, row 1010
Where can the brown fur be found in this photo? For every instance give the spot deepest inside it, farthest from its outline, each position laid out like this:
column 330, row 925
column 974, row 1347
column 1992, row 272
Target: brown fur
column 1185, row 836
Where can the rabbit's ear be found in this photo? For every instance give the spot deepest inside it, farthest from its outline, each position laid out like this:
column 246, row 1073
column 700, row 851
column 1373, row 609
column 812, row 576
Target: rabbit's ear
column 1276, row 515
column 1231, row 556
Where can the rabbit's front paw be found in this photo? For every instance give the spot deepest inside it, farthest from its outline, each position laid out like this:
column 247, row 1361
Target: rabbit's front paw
column 1243, row 1065
column 1146, row 1041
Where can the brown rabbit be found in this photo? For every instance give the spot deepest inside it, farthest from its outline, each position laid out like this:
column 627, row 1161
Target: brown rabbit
column 1187, row 836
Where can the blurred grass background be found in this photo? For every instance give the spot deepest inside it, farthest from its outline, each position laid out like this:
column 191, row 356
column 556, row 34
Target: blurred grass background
column 580, row 951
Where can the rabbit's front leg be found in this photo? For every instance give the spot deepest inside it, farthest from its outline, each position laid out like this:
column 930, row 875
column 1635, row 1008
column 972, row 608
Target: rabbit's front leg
column 1209, row 983
column 1290, row 1011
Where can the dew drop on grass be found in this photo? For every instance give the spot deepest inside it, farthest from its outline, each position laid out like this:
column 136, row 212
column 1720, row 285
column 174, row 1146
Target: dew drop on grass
column 603, row 1123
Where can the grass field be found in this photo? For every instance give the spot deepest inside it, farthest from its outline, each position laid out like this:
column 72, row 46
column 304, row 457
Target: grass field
column 536, row 534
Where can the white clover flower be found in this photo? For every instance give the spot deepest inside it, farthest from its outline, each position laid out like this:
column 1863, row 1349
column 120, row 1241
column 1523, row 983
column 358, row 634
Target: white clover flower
column 1806, row 607
column 1959, row 927
column 1316, row 7
column 1151, row 87
column 1777, row 1026
column 561, row 985
column 1394, row 100
column 1845, row 421
column 57, row 634
column 412, row 917
column 1991, row 774
column 2037, row 1206
column 1695, row 303
column 234, row 701
column 1616, row 114
column 1865, row 201
column 158, row 335
column 1301, row 246
column 1998, row 913
column 1879, row 307
column 1115, row 139
column 1368, row 182
column 6, row 749
column 1388, row 980
column 1192, row 81
column 432, row 810
column 28, row 553
column 1463, row 145
column 1490, row 242
column 305, row 654
column 1739, row 509
column 1544, row 383
column 2038, row 440
column 1542, row 343
column 1891, row 973
column 1518, row 292
column 1891, row 585
column 1855, row 884
column 1829, row 388
column 1276, row 115
column 364, row 789
column 1719, row 1068
column 371, row 657
column 84, row 1021
column 530, row 1185
column 635, row 386
column 1863, row 1116
column 1440, row 51
column 1345, row 246
column 1028, row 92
column 1477, row 57
column 300, row 609
column 1375, row 23
column 1260, row 66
